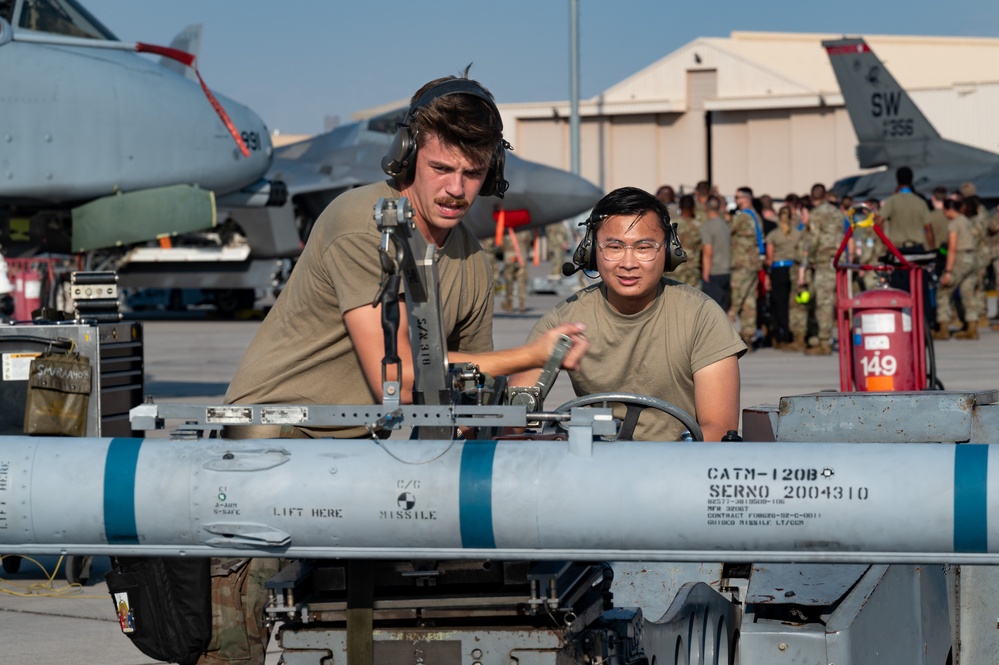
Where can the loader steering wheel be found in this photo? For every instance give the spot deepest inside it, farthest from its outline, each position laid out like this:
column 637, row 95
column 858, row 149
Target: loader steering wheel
column 634, row 404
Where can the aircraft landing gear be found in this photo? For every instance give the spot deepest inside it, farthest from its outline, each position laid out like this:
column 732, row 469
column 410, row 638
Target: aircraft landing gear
column 77, row 569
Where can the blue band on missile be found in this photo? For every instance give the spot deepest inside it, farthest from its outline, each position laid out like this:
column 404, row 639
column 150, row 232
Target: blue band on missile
column 475, row 494
column 971, row 470
column 119, row 491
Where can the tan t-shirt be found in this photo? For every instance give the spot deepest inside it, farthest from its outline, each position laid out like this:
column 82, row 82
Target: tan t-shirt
column 906, row 215
column 654, row 352
column 786, row 247
column 938, row 222
column 302, row 353
column 961, row 225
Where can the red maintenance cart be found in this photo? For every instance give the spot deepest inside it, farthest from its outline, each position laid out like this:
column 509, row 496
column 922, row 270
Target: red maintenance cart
column 882, row 331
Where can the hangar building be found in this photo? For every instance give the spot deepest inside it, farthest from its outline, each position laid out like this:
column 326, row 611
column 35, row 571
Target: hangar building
column 757, row 109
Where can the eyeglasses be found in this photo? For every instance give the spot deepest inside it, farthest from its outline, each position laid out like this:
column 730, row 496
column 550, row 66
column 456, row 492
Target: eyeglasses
column 642, row 251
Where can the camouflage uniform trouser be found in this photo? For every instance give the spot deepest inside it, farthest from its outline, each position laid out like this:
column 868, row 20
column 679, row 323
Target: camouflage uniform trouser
column 965, row 277
column 743, row 312
column 691, row 276
column 982, row 259
column 489, row 250
column 514, row 279
column 824, row 294
column 558, row 240
column 797, row 316
column 239, row 635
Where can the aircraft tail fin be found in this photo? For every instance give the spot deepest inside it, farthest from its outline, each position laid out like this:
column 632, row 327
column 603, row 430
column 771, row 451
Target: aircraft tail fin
column 889, row 125
column 189, row 41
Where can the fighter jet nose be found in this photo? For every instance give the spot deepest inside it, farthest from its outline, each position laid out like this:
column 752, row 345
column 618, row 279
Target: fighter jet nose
column 545, row 194
column 253, row 131
column 574, row 188
column 554, row 194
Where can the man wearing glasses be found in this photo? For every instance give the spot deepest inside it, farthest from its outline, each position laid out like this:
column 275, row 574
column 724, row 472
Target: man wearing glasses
column 648, row 334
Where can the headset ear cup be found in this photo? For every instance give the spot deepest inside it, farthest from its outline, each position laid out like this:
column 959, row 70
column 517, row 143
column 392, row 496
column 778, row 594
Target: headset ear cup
column 675, row 254
column 398, row 162
column 583, row 256
column 495, row 184
column 591, row 250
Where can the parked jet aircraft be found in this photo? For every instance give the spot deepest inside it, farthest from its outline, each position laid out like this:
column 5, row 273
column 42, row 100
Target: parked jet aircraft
column 893, row 132
column 316, row 171
column 100, row 145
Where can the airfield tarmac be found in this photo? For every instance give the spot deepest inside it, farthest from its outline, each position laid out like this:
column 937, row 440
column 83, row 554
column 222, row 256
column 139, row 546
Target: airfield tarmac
column 190, row 357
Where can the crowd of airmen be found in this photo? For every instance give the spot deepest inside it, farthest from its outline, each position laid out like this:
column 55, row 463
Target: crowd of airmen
column 782, row 279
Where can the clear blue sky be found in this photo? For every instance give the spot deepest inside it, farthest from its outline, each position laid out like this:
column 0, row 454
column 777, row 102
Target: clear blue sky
column 296, row 61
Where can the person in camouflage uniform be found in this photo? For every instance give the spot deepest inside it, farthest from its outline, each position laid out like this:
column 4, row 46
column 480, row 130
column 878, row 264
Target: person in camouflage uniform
column 667, row 196
column 238, row 601
column 825, row 233
column 748, row 251
column 960, row 273
column 558, row 242
column 977, row 215
column 702, row 190
column 688, row 229
column 865, row 245
column 799, row 312
column 495, row 258
column 992, row 240
column 515, row 255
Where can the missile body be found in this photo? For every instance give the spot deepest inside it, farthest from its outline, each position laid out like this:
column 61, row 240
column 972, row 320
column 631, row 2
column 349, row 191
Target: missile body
column 500, row 499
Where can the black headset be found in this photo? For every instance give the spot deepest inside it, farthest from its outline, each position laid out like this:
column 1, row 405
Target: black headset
column 585, row 256
column 400, row 161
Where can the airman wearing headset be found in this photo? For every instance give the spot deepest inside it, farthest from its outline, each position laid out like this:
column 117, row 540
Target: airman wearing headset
column 322, row 341
column 648, row 334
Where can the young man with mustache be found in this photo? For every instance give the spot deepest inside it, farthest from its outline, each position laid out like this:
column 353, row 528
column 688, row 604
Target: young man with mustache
column 322, row 342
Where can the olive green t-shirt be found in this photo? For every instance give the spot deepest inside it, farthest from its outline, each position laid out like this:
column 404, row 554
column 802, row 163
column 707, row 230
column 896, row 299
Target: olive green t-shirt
column 715, row 232
column 654, row 352
column 302, row 353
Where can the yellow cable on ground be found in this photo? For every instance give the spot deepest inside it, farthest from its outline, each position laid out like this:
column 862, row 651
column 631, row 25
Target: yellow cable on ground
column 45, row 589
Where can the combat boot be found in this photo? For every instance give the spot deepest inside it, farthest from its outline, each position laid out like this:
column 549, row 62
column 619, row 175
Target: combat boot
column 943, row 332
column 796, row 345
column 822, row 349
column 971, row 332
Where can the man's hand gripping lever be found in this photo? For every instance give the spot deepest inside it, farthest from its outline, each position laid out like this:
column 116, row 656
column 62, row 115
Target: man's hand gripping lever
column 533, row 397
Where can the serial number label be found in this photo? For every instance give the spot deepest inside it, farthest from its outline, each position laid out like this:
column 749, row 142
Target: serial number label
column 284, row 415
column 763, row 497
column 228, row 415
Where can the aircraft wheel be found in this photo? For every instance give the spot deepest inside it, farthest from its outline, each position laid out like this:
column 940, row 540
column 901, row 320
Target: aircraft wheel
column 11, row 563
column 78, row 569
column 634, row 405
